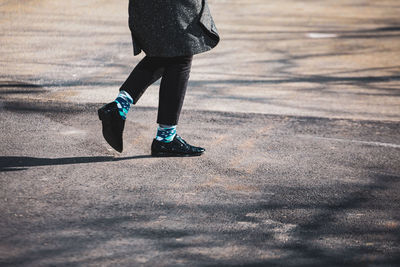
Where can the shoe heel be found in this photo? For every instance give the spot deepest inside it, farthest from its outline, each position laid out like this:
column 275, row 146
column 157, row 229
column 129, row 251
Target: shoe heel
column 100, row 113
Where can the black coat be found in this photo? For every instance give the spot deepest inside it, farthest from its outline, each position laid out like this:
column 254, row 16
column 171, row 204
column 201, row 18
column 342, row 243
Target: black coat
column 169, row 28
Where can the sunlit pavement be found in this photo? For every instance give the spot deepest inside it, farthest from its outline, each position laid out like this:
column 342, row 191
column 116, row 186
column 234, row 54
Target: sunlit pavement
column 298, row 108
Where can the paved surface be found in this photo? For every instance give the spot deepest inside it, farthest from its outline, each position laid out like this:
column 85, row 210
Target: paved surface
column 301, row 112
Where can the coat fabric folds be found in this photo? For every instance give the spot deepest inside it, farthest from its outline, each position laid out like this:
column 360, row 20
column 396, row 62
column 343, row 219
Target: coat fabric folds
column 170, row 28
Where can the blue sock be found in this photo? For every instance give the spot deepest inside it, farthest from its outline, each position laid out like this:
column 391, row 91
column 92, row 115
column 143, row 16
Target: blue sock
column 124, row 101
column 166, row 133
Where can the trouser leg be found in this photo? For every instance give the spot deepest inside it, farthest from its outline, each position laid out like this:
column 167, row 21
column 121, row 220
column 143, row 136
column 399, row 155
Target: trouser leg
column 146, row 72
column 173, row 89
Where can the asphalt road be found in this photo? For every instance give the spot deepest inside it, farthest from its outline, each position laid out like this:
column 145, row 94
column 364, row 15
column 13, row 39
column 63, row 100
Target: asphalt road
column 298, row 108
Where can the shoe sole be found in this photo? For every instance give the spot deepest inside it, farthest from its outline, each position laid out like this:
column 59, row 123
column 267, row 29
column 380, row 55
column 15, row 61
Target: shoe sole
column 101, row 114
column 166, row 154
column 104, row 117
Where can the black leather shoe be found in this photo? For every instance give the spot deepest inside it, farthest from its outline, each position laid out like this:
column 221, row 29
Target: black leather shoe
column 113, row 125
column 177, row 148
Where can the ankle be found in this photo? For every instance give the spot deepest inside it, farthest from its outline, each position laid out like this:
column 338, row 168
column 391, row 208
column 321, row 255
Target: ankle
column 166, row 133
column 124, row 101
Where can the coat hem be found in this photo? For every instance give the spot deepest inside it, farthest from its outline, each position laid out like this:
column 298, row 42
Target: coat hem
column 200, row 51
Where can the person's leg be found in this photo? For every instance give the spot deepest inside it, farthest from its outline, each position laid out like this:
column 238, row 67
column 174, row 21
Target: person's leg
column 146, row 72
column 173, row 89
column 113, row 114
column 172, row 93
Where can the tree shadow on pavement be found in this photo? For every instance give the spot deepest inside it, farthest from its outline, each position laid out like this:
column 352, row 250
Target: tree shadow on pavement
column 21, row 163
column 263, row 233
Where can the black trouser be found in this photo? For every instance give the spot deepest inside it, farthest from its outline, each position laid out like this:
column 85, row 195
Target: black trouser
column 175, row 75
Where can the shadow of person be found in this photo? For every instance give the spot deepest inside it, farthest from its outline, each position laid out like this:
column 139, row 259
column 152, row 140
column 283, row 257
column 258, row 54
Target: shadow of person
column 15, row 163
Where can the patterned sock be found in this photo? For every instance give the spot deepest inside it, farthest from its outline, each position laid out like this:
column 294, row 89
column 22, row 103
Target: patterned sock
column 124, row 101
column 166, row 133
